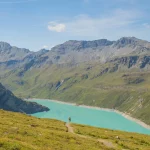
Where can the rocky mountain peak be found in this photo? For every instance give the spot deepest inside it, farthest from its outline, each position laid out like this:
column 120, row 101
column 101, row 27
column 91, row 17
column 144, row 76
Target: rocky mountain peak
column 43, row 51
column 9, row 52
column 4, row 46
column 24, row 50
column 89, row 44
column 81, row 45
column 125, row 41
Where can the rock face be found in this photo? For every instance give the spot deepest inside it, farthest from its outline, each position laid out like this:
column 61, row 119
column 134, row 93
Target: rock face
column 74, row 52
column 81, row 45
column 100, row 50
column 11, row 103
column 128, row 52
column 8, row 52
column 139, row 62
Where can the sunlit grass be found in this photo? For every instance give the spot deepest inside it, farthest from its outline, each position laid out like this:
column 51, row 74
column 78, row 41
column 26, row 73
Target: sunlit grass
column 22, row 132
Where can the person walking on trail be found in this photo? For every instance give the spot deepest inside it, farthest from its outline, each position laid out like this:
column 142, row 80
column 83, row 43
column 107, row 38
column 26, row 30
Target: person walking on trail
column 69, row 119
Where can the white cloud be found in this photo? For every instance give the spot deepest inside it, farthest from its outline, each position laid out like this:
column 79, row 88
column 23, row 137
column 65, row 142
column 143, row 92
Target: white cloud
column 45, row 47
column 85, row 25
column 57, row 27
column 116, row 24
column 48, row 47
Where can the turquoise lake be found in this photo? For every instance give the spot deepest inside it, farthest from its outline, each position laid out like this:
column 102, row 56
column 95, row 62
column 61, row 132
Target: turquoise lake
column 89, row 116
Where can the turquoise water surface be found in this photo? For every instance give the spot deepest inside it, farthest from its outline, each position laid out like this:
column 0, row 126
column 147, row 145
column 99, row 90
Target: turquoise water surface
column 89, row 116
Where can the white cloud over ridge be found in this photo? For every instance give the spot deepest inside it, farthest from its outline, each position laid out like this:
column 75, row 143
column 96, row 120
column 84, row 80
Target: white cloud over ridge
column 45, row 47
column 113, row 25
column 57, row 27
column 88, row 26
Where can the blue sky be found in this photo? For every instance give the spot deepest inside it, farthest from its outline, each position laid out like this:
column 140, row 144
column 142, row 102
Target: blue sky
column 35, row 24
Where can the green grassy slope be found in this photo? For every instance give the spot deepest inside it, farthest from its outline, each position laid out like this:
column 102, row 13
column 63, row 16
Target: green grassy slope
column 22, row 132
column 127, row 90
column 120, row 140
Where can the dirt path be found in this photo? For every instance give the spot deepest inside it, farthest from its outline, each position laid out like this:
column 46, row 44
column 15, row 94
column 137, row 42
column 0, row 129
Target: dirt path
column 69, row 128
column 105, row 142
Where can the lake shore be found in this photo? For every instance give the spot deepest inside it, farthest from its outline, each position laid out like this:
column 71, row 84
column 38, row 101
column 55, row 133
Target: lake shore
column 99, row 108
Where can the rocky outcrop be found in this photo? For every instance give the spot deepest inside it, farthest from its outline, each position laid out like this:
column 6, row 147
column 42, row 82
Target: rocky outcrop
column 10, row 102
column 145, row 61
column 139, row 62
column 126, row 41
column 128, row 61
column 81, row 45
column 8, row 52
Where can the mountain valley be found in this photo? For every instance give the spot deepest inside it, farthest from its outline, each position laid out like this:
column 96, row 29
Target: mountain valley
column 107, row 74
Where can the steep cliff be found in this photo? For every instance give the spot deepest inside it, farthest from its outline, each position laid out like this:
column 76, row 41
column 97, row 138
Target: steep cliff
column 11, row 103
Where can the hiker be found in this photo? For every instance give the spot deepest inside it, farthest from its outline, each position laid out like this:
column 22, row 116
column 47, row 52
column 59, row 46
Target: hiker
column 69, row 119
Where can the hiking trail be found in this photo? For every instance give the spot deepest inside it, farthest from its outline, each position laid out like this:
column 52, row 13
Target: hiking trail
column 105, row 142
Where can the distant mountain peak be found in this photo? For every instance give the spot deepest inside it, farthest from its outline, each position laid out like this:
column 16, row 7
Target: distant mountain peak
column 81, row 45
column 5, row 43
column 128, row 39
column 125, row 41
column 99, row 42
column 5, row 46
column 8, row 52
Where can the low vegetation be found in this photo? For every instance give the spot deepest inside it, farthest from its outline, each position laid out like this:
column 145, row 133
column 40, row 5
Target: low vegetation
column 22, row 132
column 119, row 140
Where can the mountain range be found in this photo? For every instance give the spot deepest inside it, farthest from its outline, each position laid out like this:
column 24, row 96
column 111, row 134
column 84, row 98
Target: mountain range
column 78, row 51
column 103, row 73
